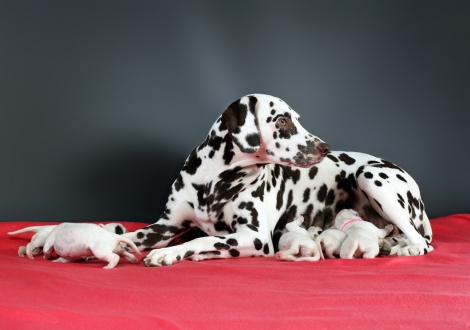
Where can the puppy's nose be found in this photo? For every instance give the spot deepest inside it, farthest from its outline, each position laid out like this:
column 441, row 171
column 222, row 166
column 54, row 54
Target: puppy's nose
column 323, row 148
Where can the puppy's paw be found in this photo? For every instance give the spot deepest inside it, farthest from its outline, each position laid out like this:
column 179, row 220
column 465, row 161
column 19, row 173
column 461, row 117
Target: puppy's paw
column 22, row 251
column 282, row 255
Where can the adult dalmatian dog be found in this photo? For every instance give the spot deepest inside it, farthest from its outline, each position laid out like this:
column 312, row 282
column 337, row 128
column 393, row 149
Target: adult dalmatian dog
column 259, row 169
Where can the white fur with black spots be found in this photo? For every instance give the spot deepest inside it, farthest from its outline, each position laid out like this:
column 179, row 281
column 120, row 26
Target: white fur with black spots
column 258, row 170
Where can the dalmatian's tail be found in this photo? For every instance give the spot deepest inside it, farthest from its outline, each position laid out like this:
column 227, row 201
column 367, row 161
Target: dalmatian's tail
column 128, row 242
column 33, row 229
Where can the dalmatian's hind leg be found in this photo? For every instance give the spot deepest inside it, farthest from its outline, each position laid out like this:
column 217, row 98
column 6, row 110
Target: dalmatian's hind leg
column 395, row 196
column 427, row 228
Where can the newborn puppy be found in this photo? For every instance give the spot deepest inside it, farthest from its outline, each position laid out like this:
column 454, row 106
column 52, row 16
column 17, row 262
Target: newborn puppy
column 76, row 241
column 34, row 247
column 363, row 237
column 297, row 244
column 330, row 242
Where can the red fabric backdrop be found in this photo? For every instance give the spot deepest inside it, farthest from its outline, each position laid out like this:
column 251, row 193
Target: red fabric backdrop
column 430, row 292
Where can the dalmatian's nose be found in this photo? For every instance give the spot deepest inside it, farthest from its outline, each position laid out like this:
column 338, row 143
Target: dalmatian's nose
column 323, row 148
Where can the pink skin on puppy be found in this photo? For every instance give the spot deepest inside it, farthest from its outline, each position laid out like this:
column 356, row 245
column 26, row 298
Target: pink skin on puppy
column 297, row 244
column 76, row 241
column 363, row 237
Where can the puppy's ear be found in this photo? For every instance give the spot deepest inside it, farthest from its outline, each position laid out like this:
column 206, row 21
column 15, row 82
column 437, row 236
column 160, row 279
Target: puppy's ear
column 242, row 124
column 118, row 230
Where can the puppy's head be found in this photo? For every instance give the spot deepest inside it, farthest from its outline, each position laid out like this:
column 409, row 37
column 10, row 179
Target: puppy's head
column 268, row 128
column 314, row 231
column 343, row 216
column 115, row 228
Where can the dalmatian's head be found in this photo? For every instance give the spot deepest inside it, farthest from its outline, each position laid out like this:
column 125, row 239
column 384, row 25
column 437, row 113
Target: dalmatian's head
column 268, row 129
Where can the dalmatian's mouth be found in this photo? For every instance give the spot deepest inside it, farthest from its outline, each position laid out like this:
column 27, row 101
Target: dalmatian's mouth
column 310, row 155
column 305, row 165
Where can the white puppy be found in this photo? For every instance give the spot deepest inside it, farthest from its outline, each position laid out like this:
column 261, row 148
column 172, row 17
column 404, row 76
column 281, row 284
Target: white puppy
column 34, row 247
column 76, row 241
column 330, row 241
column 363, row 237
column 297, row 244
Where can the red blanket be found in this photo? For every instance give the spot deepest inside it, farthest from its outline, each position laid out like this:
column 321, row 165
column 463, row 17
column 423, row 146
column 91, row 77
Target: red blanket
column 431, row 292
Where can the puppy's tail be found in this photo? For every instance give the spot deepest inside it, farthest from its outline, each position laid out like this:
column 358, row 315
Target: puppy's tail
column 34, row 229
column 128, row 242
column 315, row 258
column 319, row 240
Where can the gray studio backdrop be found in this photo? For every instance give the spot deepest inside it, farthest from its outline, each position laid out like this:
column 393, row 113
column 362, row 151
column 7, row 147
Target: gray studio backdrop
column 101, row 102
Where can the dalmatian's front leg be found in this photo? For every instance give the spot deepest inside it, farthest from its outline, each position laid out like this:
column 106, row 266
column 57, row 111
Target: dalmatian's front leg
column 252, row 237
column 172, row 224
column 395, row 196
column 244, row 243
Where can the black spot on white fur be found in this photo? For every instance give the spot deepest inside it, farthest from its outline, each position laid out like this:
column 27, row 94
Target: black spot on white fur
column 193, row 163
column 318, row 203
column 258, row 244
column 253, row 139
column 401, row 178
column 347, row 159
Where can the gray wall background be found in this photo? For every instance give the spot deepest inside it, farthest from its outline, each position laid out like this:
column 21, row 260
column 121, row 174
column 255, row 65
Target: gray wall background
column 101, row 102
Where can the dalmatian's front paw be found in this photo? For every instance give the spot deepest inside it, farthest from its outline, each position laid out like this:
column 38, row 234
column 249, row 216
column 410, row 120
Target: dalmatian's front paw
column 163, row 257
column 414, row 250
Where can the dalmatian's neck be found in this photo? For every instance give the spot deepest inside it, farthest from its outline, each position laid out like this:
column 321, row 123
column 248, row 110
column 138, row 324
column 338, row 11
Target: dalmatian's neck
column 215, row 172
column 219, row 154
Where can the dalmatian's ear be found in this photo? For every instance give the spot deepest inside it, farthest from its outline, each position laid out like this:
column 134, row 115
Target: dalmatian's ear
column 242, row 124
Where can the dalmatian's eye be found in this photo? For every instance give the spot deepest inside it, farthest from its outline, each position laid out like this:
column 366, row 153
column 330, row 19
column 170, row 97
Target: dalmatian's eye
column 282, row 121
